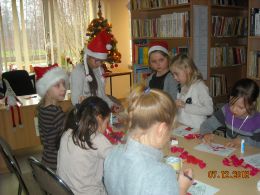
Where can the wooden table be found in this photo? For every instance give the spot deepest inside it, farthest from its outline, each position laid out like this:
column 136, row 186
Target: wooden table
column 237, row 186
column 25, row 137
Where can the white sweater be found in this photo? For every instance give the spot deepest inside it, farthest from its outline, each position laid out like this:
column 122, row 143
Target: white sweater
column 194, row 114
column 80, row 86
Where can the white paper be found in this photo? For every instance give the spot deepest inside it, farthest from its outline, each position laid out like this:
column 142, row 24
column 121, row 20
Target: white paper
column 214, row 148
column 36, row 127
column 181, row 131
column 253, row 160
column 202, row 189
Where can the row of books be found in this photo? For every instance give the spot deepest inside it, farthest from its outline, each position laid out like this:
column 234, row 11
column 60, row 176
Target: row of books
column 218, row 85
column 148, row 4
column 227, row 56
column 255, row 21
column 229, row 26
column 168, row 25
column 254, row 64
column 140, row 53
column 141, row 73
column 228, row 2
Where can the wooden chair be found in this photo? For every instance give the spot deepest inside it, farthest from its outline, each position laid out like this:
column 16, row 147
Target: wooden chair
column 13, row 165
column 49, row 181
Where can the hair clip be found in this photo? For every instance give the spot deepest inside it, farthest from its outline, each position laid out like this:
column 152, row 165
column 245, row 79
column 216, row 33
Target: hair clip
column 179, row 87
column 188, row 101
column 147, row 90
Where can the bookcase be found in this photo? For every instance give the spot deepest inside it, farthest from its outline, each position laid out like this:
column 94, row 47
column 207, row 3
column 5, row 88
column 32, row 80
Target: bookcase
column 227, row 45
column 253, row 70
column 213, row 32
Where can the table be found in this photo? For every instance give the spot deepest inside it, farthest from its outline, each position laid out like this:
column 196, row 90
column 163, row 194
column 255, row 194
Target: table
column 25, row 137
column 116, row 74
column 243, row 186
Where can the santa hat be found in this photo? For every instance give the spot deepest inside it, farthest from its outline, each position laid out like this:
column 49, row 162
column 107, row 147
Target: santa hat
column 47, row 77
column 97, row 48
column 158, row 46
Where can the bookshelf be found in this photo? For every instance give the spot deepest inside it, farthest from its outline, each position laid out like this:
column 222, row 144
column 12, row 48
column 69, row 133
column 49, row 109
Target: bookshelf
column 253, row 70
column 227, row 57
column 159, row 20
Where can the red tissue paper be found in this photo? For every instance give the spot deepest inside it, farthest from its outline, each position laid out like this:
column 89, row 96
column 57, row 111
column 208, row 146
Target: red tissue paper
column 114, row 137
column 236, row 162
column 189, row 158
column 192, row 136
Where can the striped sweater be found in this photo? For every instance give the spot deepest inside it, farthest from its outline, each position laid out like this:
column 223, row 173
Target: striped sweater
column 51, row 120
column 247, row 129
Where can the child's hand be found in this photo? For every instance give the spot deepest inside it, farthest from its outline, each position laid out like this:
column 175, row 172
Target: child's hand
column 236, row 143
column 185, row 180
column 208, row 138
column 179, row 103
column 81, row 98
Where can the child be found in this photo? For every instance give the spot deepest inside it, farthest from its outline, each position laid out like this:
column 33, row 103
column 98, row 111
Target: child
column 193, row 101
column 159, row 62
column 83, row 147
column 87, row 79
column 51, row 86
column 137, row 167
column 239, row 116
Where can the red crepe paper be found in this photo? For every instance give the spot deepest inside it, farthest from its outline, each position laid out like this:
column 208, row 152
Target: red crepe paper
column 114, row 137
column 236, row 162
column 189, row 158
column 188, row 128
column 192, row 136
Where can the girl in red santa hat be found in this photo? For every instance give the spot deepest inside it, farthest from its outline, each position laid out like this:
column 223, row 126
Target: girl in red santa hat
column 161, row 78
column 51, row 86
column 87, row 79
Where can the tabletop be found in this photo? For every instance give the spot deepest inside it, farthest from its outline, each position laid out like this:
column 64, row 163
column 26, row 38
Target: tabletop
column 215, row 173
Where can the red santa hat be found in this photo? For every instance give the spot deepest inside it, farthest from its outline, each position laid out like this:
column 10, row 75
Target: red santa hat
column 98, row 48
column 47, row 77
column 158, row 46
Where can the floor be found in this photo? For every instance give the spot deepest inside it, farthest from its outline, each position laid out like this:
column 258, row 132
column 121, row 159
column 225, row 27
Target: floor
column 9, row 182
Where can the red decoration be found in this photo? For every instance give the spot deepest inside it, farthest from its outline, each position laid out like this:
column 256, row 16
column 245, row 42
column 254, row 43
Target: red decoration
column 189, row 158
column 114, row 137
column 188, row 128
column 192, row 136
column 236, row 162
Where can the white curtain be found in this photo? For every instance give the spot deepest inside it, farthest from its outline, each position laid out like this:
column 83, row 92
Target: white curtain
column 41, row 32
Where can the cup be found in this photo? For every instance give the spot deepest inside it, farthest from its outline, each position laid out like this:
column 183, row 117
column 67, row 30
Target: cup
column 175, row 162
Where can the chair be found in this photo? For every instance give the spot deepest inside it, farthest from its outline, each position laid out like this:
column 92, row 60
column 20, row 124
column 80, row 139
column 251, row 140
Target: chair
column 20, row 82
column 13, row 165
column 50, row 182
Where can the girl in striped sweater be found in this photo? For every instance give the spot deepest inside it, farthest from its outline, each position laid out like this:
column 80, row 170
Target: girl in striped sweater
column 51, row 87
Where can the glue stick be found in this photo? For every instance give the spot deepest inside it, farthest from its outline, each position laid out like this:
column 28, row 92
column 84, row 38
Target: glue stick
column 242, row 146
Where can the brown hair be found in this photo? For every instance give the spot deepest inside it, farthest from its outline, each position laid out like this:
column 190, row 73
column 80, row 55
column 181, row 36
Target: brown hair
column 184, row 62
column 148, row 106
column 247, row 89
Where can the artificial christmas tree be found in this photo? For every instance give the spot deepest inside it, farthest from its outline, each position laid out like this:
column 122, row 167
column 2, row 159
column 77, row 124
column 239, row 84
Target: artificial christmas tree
column 97, row 25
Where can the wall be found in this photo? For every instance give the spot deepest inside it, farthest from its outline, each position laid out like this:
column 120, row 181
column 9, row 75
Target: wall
column 117, row 13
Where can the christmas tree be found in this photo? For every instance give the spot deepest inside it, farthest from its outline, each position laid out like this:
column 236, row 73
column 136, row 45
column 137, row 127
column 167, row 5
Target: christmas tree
column 94, row 28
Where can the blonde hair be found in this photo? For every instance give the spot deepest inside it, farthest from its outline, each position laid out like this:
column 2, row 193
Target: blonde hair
column 149, row 106
column 184, row 62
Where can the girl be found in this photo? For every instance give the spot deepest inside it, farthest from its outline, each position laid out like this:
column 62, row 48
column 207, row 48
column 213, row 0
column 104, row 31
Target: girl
column 87, row 79
column 137, row 167
column 83, row 147
column 51, row 86
column 239, row 116
column 193, row 101
column 159, row 62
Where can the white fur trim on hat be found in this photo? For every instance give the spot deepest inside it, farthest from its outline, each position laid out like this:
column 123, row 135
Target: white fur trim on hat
column 101, row 56
column 49, row 79
column 158, row 48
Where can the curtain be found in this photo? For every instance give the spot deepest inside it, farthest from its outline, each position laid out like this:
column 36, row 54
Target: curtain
column 41, row 32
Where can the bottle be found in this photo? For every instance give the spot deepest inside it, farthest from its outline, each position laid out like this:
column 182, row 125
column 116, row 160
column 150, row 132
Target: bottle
column 242, row 146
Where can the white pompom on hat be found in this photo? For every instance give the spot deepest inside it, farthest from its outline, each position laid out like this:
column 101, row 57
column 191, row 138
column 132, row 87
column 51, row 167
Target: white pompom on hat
column 97, row 48
column 47, row 77
column 158, row 46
